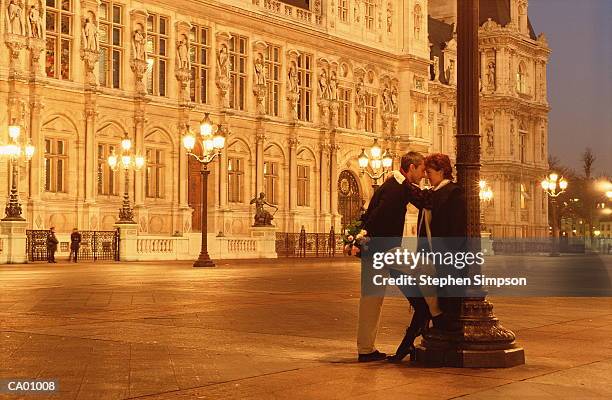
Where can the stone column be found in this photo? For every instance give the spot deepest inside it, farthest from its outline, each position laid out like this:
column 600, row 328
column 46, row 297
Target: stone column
column 259, row 157
column 139, row 126
column 324, row 186
column 292, row 142
column 90, row 148
column 333, row 181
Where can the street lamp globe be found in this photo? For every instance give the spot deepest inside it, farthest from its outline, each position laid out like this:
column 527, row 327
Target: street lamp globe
column 363, row 160
column 375, row 151
column 545, row 184
column 387, row 160
column 29, row 150
column 14, row 131
column 609, row 194
column 218, row 141
column 206, row 127
column 562, row 184
column 189, row 140
column 126, row 144
column 139, row 162
column 112, row 161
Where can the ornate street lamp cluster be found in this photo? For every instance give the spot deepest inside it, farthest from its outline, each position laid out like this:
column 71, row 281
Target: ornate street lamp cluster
column 212, row 141
column 554, row 185
column 16, row 152
column 379, row 163
column 486, row 195
column 128, row 160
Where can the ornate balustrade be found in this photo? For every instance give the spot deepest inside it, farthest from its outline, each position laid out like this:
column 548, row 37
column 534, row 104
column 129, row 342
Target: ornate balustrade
column 296, row 13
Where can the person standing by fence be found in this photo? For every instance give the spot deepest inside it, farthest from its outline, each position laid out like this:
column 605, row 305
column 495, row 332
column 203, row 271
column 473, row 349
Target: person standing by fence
column 75, row 243
column 51, row 245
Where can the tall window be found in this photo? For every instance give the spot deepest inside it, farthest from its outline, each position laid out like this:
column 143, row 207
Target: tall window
column 238, row 71
column 344, row 107
column 59, row 16
column 305, row 85
column 157, row 53
column 343, row 10
column 111, row 37
column 370, row 8
column 198, row 52
column 303, row 185
column 235, row 177
column 524, row 197
column 107, row 178
column 522, row 145
column 271, row 181
column 56, row 159
column 521, row 78
column 370, row 117
column 273, row 67
column 441, row 138
column 155, row 173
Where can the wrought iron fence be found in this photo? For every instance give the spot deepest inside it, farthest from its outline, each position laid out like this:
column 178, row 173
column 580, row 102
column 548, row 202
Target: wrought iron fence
column 304, row 244
column 95, row 245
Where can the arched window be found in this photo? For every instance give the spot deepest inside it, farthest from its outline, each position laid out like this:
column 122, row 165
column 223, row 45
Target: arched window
column 521, row 78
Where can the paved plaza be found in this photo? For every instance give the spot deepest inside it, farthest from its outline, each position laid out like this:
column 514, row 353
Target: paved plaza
column 281, row 329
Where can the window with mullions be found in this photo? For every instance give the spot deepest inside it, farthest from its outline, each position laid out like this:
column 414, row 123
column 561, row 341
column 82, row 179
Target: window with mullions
column 107, row 178
column 157, row 54
column 303, row 185
column 271, row 181
column 235, row 180
column 370, row 117
column 343, row 10
column 273, row 68
column 111, row 38
column 58, row 16
column 238, row 71
column 199, row 51
column 370, row 8
column 155, row 173
column 56, row 160
column 344, row 107
column 304, row 63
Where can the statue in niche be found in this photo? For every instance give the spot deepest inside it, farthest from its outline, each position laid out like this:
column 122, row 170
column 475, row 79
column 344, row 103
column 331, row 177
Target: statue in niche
column 138, row 43
column 490, row 137
column 262, row 216
column 323, row 85
column 360, row 94
column 292, row 82
column 356, row 11
column 222, row 60
column 394, row 100
column 511, row 138
column 14, row 15
column 389, row 18
column 90, row 35
column 491, row 75
column 333, row 86
column 386, row 98
column 418, row 20
column 182, row 53
column 450, row 72
column 436, row 68
column 35, row 22
column 260, row 70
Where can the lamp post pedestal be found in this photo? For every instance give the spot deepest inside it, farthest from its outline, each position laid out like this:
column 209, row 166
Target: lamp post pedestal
column 14, row 251
column 204, row 260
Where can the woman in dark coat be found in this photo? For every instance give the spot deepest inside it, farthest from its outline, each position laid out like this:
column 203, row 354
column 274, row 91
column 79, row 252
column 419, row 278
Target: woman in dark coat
column 445, row 216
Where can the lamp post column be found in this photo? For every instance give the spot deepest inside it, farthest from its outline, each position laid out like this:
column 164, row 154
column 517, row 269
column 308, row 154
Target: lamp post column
column 204, row 259
column 554, row 251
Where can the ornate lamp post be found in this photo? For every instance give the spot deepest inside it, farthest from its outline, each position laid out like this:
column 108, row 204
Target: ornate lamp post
column 379, row 162
column 486, row 195
column 16, row 152
column 212, row 142
column 128, row 160
column 553, row 185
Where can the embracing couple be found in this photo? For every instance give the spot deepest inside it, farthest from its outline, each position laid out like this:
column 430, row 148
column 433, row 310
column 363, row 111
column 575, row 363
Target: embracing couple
column 442, row 214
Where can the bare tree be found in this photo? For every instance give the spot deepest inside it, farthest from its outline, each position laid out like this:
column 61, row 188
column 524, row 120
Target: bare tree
column 588, row 159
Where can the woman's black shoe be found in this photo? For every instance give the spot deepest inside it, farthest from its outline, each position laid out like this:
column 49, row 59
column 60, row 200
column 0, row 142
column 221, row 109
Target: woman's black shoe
column 402, row 352
column 373, row 356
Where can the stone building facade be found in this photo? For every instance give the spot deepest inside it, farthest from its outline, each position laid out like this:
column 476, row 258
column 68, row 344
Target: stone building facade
column 298, row 88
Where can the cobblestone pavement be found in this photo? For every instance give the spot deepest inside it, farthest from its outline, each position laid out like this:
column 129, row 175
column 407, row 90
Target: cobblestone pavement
column 280, row 329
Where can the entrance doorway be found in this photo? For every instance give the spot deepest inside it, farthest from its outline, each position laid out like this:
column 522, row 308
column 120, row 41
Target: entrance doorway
column 350, row 202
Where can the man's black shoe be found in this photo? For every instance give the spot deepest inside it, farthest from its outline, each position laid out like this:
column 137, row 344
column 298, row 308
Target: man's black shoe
column 373, row 356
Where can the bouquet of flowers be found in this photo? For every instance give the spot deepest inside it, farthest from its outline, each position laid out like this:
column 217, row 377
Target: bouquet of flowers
column 354, row 238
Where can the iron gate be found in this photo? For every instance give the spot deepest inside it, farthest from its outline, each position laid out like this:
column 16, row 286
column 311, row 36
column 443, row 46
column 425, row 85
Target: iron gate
column 95, row 245
column 308, row 244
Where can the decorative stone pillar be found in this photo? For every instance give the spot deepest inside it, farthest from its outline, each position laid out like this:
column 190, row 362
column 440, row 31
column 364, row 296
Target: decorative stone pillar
column 260, row 76
column 259, row 158
column 37, row 140
column 182, row 70
column 139, row 127
column 90, row 46
column 138, row 57
column 14, row 232
column 90, row 116
column 128, row 242
column 333, row 181
column 293, row 89
column 293, row 142
column 15, row 43
column 325, row 183
column 222, row 73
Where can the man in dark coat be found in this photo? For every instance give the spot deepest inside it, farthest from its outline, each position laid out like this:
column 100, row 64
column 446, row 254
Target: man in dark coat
column 385, row 219
column 75, row 243
column 51, row 245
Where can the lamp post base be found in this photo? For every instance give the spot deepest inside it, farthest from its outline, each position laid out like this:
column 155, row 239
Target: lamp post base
column 204, row 261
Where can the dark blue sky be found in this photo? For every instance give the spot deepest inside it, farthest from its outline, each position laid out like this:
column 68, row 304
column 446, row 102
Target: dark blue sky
column 579, row 77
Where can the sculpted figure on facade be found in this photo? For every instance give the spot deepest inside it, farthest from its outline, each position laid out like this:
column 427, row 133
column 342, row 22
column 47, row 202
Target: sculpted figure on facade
column 222, row 59
column 90, row 35
column 292, row 81
column 389, row 16
column 260, row 70
column 491, row 75
column 436, row 68
column 138, row 44
column 293, row 90
column 394, row 99
column 323, row 85
column 14, row 18
column 418, row 20
column 333, row 86
column 386, row 99
column 450, row 72
column 182, row 53
column 360, row 94
column 35, row 22
column 490, row 137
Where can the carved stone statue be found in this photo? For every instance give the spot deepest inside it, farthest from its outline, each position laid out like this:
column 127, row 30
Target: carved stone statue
column 491, row 75
column 90, row 35
column 394, row 100
column 138, row 44
column 292, row 81
column 360, row 94
column 14, row 15
column 386, row 99
column 450, row 72
column 260, row 71
column 333, row 86
column 490, row 137
column 389, row 17
column 35, row 22
column 418, row 20
column 222, row 60
column 182, row 53
column 262, row 217
column 323, row 86
column 436, row 68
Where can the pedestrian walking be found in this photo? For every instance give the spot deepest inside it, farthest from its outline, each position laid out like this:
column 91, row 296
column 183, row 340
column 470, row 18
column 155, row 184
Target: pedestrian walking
column 51, row 245
column 75, row 243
